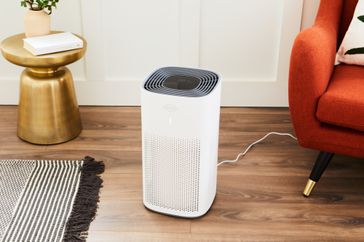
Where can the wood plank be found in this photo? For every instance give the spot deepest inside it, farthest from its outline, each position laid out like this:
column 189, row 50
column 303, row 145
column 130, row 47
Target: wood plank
column 258, row 199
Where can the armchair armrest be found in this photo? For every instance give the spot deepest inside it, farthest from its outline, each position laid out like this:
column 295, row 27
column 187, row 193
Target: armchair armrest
column 312, row 64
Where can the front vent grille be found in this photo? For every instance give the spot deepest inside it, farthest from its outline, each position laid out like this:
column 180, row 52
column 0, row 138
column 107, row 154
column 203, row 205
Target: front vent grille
column 185, row 82
column 171, row 170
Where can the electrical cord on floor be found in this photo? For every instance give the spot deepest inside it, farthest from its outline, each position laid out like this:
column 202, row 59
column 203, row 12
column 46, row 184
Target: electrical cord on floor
column 254, row 143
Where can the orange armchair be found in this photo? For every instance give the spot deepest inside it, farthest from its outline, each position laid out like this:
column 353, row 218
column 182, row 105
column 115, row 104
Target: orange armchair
column 326, row 102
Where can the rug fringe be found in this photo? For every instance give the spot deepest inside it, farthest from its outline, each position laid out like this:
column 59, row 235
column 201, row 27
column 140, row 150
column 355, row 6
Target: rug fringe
column 86, row 201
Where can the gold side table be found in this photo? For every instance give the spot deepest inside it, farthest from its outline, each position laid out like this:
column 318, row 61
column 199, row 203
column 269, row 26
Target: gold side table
column 48, row 110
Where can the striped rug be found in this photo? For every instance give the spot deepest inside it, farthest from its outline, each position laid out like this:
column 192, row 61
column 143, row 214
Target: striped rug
column 48, row 200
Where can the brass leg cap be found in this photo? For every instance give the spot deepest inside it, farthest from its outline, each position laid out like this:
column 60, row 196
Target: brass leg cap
column 309, row 187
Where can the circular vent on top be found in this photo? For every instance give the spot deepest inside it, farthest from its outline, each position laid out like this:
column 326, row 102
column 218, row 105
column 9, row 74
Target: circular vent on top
column 178, row 81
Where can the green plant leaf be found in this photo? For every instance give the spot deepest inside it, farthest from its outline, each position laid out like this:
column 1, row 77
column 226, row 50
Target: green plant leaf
column 47, row 5
column 355, row 51
column 361, row 18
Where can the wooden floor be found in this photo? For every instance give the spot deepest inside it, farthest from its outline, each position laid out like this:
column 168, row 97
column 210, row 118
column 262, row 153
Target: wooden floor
column 258, row 199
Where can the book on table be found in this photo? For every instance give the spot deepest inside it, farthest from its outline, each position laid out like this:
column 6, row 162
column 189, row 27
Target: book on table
column 52, row 43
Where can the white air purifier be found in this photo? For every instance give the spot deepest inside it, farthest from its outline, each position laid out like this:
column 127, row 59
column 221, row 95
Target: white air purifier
column 180, row 134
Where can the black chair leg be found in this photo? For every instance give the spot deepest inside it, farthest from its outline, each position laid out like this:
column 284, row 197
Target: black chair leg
column 320, row 166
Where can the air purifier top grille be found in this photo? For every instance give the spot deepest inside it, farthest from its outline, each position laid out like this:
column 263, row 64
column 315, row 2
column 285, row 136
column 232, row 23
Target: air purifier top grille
column 177, row 81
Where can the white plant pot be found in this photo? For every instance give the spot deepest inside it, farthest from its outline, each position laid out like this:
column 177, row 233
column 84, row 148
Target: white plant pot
column 37, row 23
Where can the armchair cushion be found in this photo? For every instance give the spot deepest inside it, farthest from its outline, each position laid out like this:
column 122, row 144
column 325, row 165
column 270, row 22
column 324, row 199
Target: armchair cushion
column 343, row 103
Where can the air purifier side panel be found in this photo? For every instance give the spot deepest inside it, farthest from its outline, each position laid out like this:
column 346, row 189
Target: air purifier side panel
column 209, row 149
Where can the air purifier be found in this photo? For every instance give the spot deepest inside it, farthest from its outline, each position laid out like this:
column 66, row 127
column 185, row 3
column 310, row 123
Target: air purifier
column 180, row 133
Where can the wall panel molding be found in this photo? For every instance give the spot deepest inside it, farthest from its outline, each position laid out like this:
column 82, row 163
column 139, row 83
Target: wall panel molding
column 189, row 32
column 92, row 28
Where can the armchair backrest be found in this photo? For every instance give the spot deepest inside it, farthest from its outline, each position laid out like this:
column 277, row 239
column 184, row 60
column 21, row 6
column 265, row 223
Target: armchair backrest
column 346, row 17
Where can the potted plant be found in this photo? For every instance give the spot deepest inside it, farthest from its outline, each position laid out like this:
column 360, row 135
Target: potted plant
column 37, row 21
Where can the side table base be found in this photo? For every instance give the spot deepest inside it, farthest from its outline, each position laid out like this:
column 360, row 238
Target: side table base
column 48, row 110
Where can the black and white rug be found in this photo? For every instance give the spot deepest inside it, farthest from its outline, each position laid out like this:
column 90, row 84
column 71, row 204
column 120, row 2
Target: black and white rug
column 48, row 200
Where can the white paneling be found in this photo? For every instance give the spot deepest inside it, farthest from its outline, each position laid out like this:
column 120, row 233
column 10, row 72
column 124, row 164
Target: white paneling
column 189, row 33
column 92, row 25
column 11, row 21
column 68, row 17
column 247, row 42
column 251, row 47
column 140, row 36
column 240, row 39
column 309, row 12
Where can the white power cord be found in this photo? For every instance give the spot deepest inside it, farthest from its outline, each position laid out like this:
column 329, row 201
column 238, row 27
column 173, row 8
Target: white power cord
column 254, row 143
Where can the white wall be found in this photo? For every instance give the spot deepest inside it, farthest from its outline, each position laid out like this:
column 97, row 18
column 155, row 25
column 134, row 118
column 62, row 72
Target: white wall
column 309, row 12
column 247, row 42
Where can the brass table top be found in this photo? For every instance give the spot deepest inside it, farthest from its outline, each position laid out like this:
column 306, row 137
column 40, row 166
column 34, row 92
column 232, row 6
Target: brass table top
column 13, row 50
